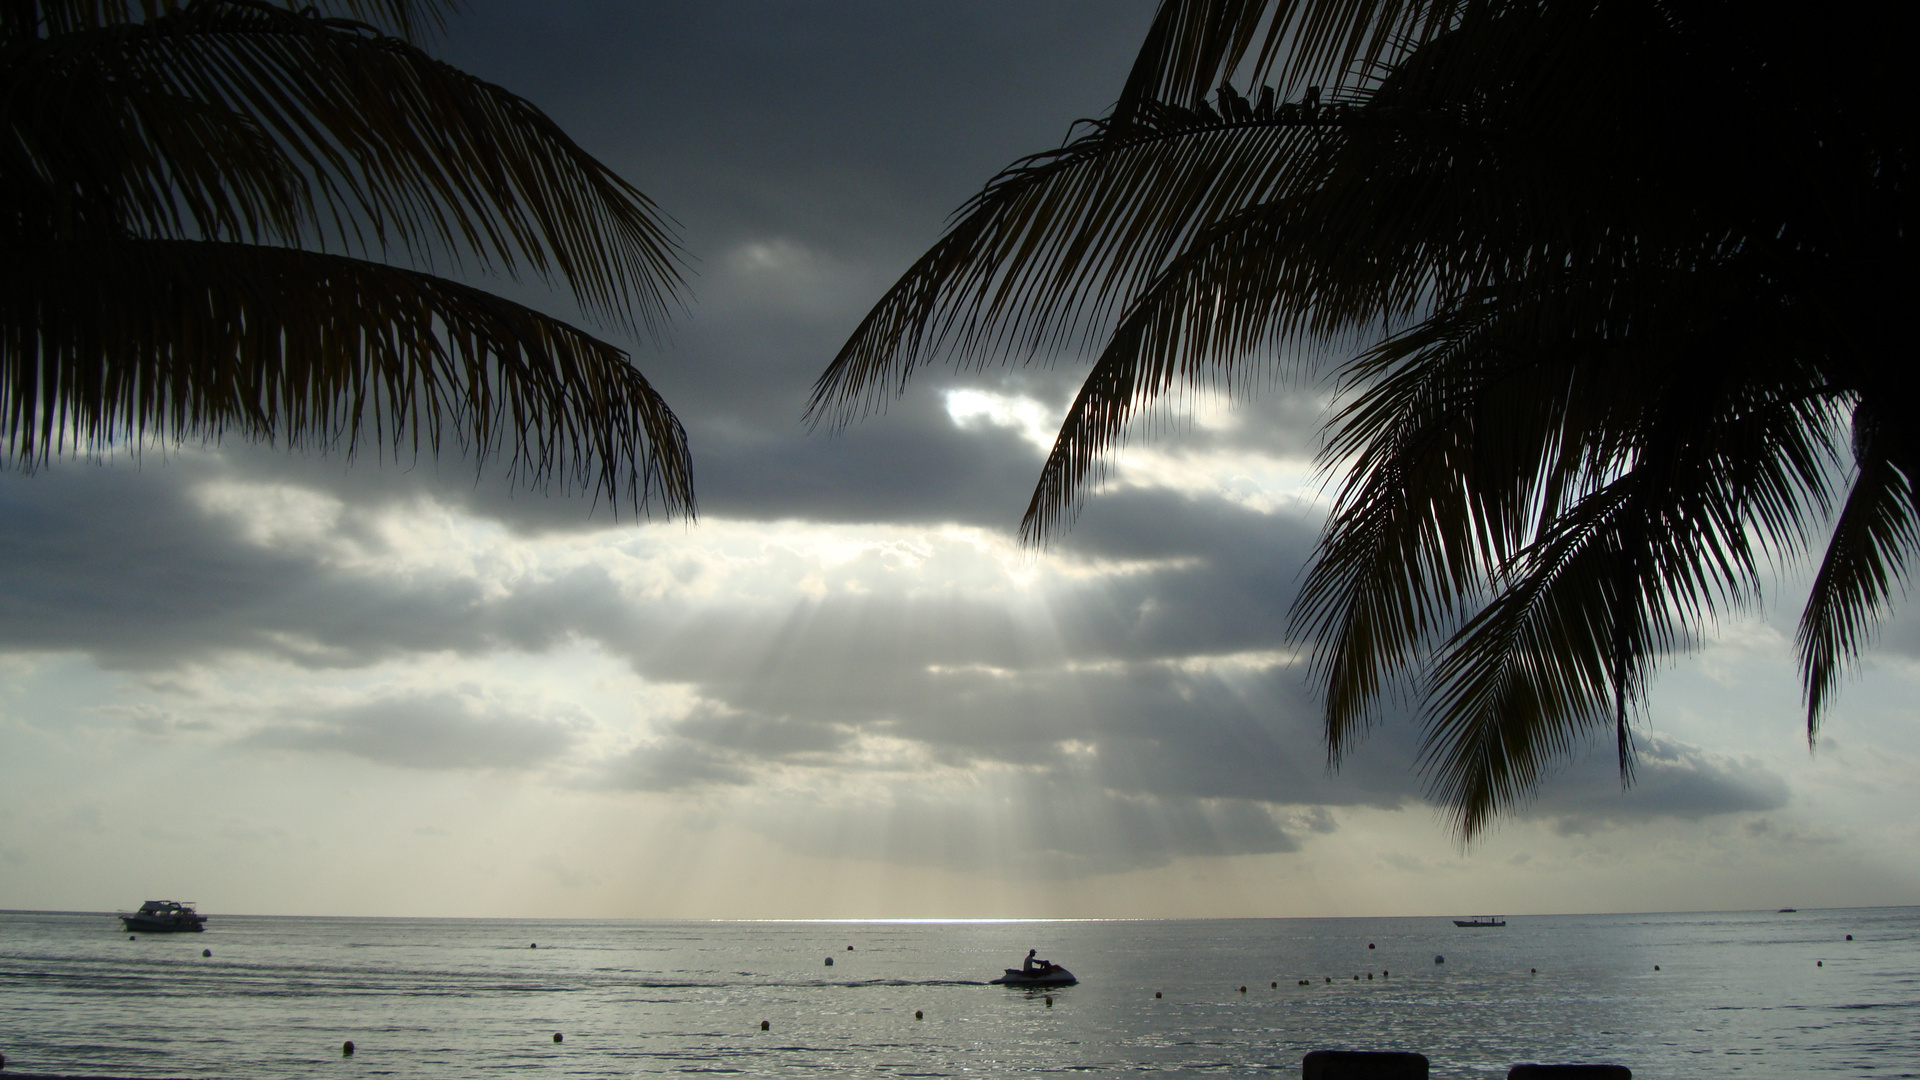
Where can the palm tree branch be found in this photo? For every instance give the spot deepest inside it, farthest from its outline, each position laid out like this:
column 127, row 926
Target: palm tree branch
column 405, row 150
column 1877, row 532
column 105, row 344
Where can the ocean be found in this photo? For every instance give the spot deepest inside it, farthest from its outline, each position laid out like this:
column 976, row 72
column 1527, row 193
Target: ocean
column 1731, row 994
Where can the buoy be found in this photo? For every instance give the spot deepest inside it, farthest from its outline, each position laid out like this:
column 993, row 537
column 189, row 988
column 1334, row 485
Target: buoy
column 1533, row 971
column 764, row 1025
column 1329, row 978
column 1156, row 994
column 1384, row 973
column 1369, row 944
column 556, row 1036
column 533, row 944
column 1276, row 986
column 1656, row 967
column 1303, row 982
column 1049, row 1001
column 1439, row 959
column 1369, row 976
column 1243, row 989
column 849, row 948
column 829, row 961
column 1849, row 937
column 916, row 1014
column 206, row 952
column 1819, row 963
column 346, row 1048
column 129, row 937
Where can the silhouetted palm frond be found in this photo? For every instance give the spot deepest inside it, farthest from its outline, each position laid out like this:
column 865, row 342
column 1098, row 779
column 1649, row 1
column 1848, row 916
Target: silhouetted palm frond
column 1609, row 273
column 238, row 127
column 110, row 343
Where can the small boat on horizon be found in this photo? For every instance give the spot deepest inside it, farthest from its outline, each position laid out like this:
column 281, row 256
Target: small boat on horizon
column 1484, row 920
column 165, row 917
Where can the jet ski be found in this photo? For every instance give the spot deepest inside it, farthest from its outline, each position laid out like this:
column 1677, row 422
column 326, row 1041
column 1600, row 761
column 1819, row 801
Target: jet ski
column 1050, row 975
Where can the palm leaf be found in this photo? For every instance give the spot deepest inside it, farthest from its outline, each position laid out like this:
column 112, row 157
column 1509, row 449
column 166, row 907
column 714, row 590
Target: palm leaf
column 400, row 149
column 1867, row 556
column 115, row 343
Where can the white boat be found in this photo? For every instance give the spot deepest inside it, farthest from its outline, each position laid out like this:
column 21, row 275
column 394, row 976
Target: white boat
column 165, row 916
column 1484, row 920
column 1050, row 975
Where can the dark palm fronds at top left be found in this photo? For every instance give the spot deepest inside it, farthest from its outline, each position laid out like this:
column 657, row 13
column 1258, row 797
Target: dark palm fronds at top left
column 301, row 139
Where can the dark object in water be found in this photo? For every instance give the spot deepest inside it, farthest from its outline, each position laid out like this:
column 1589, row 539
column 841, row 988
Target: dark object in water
column 533, row 944
column 1849, row 937
column 1363, row 1065
column 916, row 1012
column 1439, row 959
column 1050, row 974
column 1786, row 911
column 556, row 1036
column 1482, row 921
column 829, row 961
column 764, row 1025
column 1569, row 1072
column 1049, row 1001
column 346, row 1048
column 165, row 916
column 206, row 952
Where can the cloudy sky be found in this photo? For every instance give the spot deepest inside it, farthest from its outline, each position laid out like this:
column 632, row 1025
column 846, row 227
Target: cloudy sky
column 296, row 685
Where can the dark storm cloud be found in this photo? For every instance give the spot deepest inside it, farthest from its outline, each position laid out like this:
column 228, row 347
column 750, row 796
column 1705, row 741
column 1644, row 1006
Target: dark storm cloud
column 718, row 745
column 121, row 563
column 430, row 731
column 811, row 153
column 1671, row 779
column 1044, row 825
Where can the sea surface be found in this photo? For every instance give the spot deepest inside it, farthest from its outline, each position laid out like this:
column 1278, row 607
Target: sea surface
column 1733, row 994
